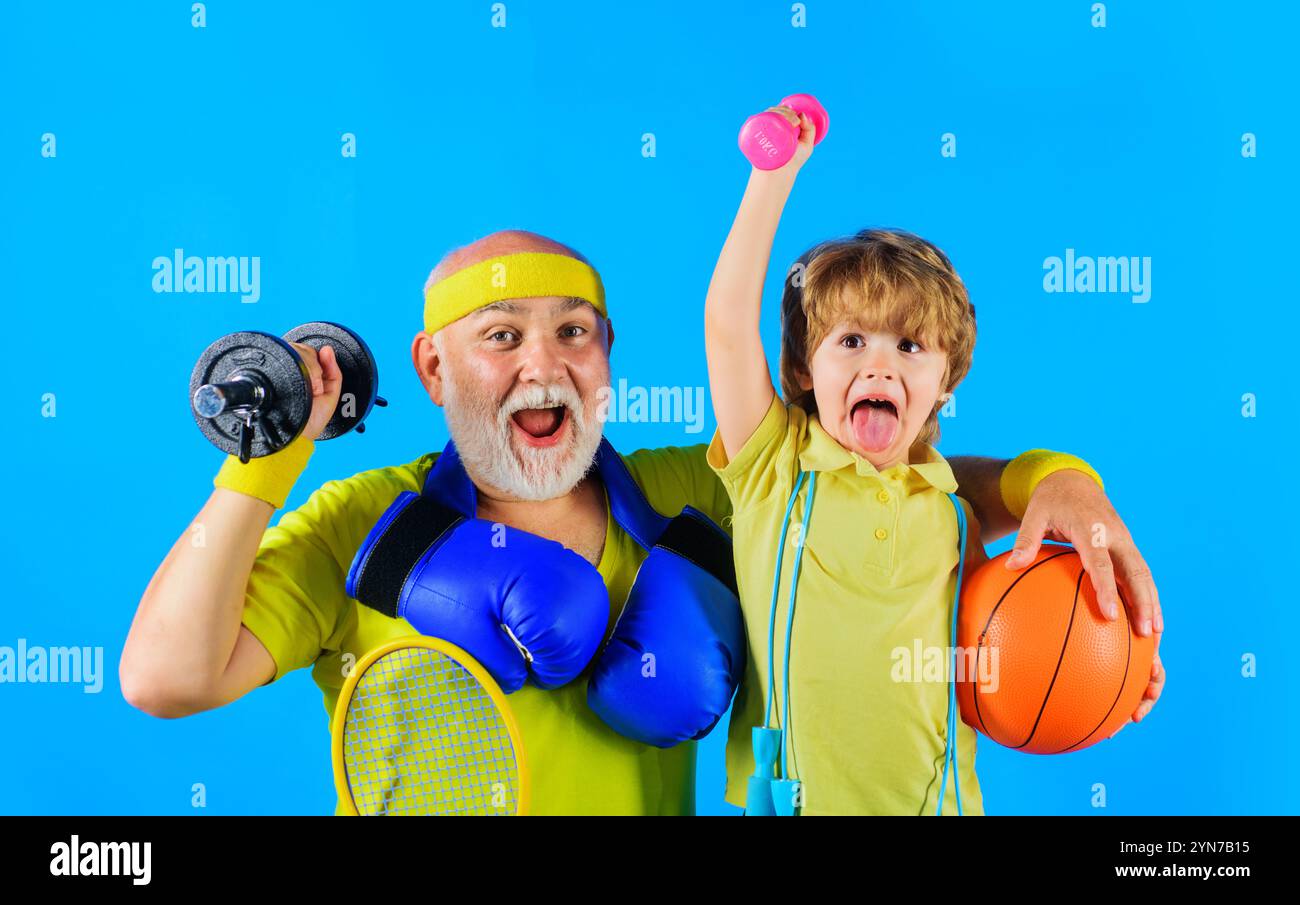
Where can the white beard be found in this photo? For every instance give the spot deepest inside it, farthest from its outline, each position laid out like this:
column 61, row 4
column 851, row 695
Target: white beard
column 481, row 429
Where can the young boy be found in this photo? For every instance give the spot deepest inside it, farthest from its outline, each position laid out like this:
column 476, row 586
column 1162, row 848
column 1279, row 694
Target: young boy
column 837, row 491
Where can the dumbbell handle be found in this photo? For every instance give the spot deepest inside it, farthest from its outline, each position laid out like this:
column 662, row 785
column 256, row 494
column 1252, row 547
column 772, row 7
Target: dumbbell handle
column 245, row 391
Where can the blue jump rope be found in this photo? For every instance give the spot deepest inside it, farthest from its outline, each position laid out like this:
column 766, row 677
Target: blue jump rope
column 772, row 791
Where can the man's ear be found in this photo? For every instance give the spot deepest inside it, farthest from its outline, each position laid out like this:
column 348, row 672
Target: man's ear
column 609, row 335
column 428, row 365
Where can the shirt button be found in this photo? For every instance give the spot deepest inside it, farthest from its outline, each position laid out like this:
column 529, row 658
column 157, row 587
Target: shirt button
column 881, row 534
column 883, row 496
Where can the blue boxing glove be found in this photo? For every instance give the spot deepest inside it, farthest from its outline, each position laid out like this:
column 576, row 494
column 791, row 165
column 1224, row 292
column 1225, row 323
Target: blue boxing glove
column 678, row 651
column 525, row 607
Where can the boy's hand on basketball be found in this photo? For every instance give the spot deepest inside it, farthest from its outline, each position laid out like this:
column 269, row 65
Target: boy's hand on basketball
column 1154, row 688
column 1069, row 506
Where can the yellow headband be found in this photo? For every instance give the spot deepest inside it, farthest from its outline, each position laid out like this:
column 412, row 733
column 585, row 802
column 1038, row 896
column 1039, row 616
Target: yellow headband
column 519, row 276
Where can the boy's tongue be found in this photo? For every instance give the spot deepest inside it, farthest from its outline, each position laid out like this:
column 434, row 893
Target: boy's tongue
column 874, row 428
column 539, row 422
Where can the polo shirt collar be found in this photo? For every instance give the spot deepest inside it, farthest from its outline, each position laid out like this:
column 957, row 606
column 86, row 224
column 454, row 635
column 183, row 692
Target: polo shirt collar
column 824, row 453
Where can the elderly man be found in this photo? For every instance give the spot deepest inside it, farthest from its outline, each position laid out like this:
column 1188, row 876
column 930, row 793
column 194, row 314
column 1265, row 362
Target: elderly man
column 517, row 362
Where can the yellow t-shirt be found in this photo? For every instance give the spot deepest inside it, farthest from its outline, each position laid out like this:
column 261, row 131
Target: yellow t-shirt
column 297, row 607
column 876, row 581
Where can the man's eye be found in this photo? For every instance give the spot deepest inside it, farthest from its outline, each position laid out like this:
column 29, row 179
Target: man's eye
column 908, row 345
column 502, row 336
column 572, row 331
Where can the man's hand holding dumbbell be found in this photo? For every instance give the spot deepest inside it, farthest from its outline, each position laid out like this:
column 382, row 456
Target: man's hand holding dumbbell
column 326, row 385
column 254, row 393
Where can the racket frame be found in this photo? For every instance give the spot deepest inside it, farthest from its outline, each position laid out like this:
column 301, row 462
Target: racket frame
column 472, row 666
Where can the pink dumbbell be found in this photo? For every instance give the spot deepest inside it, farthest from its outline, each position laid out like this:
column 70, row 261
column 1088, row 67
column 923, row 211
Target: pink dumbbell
column 768, row 139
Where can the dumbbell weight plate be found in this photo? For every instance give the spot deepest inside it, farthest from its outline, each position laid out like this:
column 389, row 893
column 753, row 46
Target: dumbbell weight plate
column 276, row 364
column 360, row 372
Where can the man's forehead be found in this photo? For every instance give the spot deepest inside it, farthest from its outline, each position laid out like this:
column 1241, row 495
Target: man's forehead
column 554, row 305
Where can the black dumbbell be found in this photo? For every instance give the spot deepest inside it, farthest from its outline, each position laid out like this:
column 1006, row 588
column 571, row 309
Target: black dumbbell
column 251, row 392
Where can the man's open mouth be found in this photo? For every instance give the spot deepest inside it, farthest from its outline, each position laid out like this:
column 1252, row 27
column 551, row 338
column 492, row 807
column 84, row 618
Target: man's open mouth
column 875, row 423
column 541, row 427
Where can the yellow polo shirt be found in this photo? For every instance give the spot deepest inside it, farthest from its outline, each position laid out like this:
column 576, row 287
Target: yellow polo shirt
column 868, row 725
column 297, row 607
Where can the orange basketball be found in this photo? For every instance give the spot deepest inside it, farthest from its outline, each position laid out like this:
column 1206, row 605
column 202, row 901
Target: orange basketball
column 1040, row 669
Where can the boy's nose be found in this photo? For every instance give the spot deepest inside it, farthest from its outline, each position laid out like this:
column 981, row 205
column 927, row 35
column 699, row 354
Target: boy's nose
column 878, row 362
column 877, row 371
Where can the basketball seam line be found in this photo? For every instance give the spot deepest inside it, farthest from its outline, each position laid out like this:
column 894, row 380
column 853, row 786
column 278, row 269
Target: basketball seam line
column 1128, row 637
column 1074, row 608
column 985, row 632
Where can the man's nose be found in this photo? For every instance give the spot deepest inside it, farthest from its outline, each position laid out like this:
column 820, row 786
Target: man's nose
column 543, row 361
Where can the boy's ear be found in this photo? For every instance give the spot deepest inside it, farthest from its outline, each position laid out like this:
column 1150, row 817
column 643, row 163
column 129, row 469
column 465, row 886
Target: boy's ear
column 803, row 377
column 948, row 386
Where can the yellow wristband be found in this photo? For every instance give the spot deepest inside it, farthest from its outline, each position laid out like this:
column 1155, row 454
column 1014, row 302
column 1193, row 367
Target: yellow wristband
column 268, row 478
column 1029, row 468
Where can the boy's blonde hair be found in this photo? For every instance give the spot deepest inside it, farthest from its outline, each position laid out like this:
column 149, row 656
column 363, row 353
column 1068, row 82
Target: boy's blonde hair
column 879, row 278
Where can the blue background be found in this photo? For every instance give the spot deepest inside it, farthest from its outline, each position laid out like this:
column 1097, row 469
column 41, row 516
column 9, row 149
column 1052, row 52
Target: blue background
column 226, row 141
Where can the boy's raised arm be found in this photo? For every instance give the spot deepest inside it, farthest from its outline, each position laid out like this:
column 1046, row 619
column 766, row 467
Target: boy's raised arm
column 738, row 373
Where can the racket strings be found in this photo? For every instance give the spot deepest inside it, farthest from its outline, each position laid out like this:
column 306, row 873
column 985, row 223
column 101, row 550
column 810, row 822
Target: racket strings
column 422, row 736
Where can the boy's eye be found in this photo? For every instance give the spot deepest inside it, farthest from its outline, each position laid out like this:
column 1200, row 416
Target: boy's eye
column 852, row 341
column 909, row 345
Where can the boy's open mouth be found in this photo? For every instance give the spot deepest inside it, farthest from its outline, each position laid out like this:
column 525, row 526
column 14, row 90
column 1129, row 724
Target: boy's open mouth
column 875, row 423
column 541, row 427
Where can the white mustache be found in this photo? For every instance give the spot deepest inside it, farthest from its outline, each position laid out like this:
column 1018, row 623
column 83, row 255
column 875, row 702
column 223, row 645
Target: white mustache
column 539, row 397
